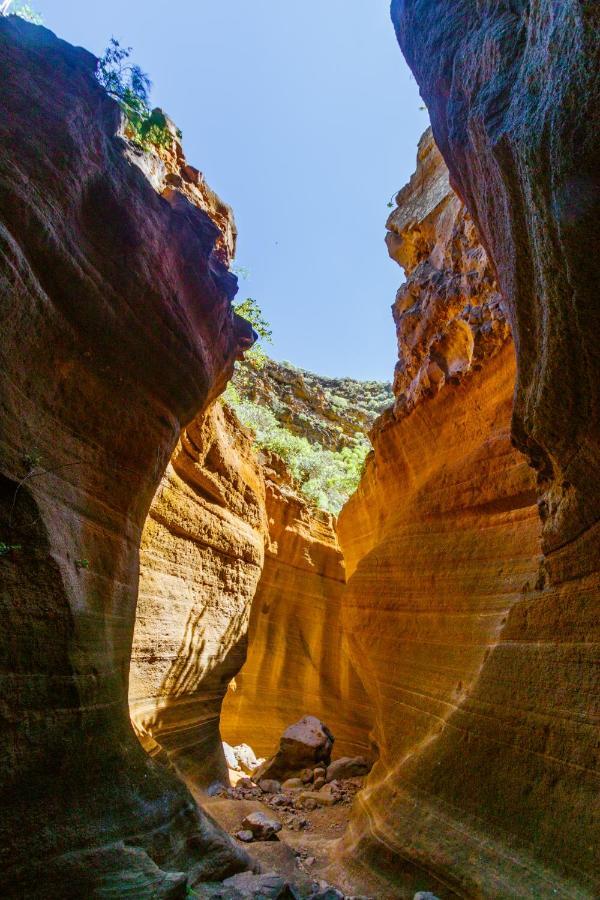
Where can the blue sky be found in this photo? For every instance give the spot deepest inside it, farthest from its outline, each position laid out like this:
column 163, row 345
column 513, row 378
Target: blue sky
column 305, row 118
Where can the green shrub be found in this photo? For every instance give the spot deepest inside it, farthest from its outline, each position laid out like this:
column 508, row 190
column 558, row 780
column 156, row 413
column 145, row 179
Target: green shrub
column 325, row 477
column 131, row 87
column 249, row 310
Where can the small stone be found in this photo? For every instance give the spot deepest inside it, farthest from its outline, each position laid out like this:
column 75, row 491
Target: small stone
column 269, row 886
column 292, row 784
column 269, row 786
column 309, row 861
column 262, row 826
column 425, row 895
column 319, row 783
column 312, row 799
column 327, row 893
column 245, row 784
column 246, row 836
column 216, row 789
column 320, row 772
column 348, row 767
column 306, row 776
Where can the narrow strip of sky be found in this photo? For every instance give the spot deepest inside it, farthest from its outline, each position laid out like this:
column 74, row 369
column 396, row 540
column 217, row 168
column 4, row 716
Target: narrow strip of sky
column 305, row 118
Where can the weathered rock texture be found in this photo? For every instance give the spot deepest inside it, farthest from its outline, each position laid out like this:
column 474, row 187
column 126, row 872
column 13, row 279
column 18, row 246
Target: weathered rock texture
column 513, row 90
column 332, row 412
column 493, row 790
column 442, row 543
column 297, row 661
column 202, row 556
column 117, row 328
column 449, row 315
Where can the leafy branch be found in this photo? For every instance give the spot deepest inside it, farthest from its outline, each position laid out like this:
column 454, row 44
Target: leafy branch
column 131, row 86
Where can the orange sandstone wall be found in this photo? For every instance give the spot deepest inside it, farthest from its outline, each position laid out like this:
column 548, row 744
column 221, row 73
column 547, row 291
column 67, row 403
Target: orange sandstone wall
column 441, row 541
column 474, row 646
column 117, row 329
column 298, row 662
column 201, row 558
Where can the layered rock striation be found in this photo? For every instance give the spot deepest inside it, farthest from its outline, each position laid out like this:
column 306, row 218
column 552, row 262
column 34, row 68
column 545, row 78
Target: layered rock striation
column 117, row 329
column 488, row 789
column 202, row 556
column 298, row 661
column 513, row 92
column 443, row 548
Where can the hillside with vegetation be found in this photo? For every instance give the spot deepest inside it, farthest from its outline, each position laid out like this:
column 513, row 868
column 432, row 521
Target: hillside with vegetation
column 317, row 425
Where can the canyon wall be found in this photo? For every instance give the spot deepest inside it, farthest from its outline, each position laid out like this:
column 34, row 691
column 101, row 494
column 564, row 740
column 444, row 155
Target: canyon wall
column 513, row 90
column 479, row 661
column 202, row 555
column 443, row 546
column 117, row 329
column 298, row 661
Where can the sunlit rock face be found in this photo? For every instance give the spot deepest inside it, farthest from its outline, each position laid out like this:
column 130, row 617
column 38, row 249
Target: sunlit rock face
column 481, row 715
column 298, row 661
column 201, row 559
column 513, row 90
column 117, row 329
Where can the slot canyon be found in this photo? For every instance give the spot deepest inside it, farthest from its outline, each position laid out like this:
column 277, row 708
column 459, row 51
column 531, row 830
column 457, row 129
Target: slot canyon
column 172, row 598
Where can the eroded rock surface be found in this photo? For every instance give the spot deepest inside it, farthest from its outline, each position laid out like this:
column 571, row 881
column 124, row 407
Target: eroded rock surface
column 298, row 661
column 332, row 412
column 494, row 686
column 443, row 548
column 117, row 328
column 513, row 90
column 201, row 559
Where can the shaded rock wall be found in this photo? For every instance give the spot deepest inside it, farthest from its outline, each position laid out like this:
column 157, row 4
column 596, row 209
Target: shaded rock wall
column 443, row 546
column 298, row 661
column 117, row 328
column 499, row 802
column 201, row 558
column 513, row 91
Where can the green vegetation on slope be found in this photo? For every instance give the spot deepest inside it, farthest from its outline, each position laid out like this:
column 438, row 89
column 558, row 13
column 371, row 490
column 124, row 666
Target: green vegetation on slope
column 325, row 477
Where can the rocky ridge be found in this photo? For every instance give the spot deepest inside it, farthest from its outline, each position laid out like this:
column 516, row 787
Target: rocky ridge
column 332, row 412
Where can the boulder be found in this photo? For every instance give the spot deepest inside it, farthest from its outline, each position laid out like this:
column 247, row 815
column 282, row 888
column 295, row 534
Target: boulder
column 293, row 784
column 302, row 745
column 262, row 826
column 230, row 757
column 269, row 786
column 348, row 767
column 246, row 758
column 263, row 886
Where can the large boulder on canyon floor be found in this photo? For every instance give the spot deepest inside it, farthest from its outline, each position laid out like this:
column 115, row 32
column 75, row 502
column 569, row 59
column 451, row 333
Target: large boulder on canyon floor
column 301, row 746
column 117, row 329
